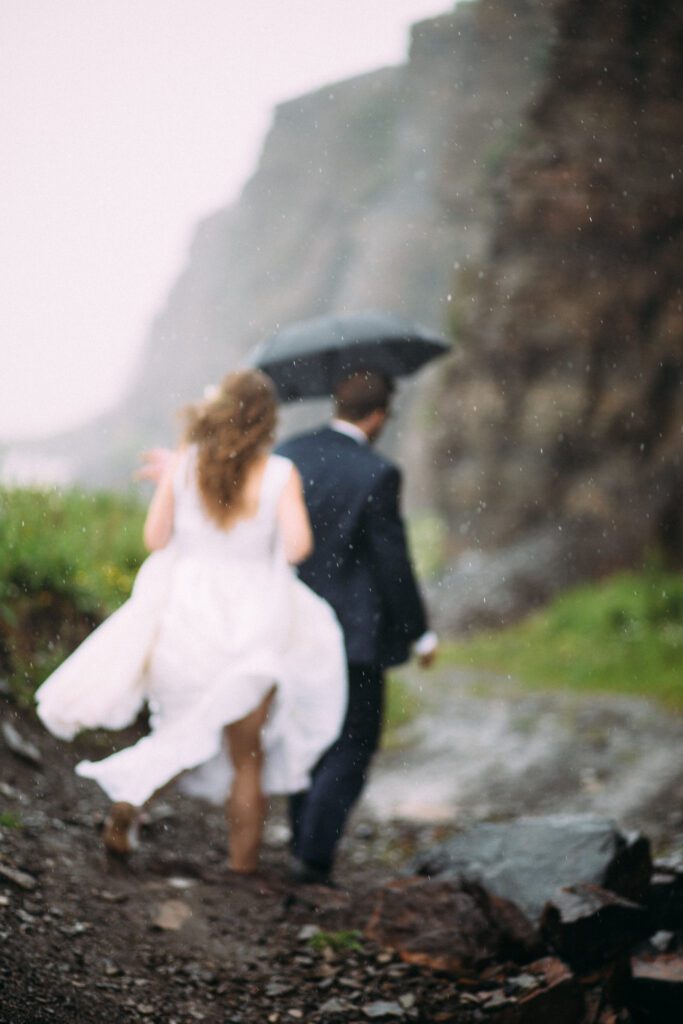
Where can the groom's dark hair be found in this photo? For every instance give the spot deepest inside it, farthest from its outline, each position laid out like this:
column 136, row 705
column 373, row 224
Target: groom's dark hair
column 362, row 393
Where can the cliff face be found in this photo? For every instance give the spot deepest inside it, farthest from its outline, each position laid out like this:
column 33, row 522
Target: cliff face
column 561, row 413
column 350, row 207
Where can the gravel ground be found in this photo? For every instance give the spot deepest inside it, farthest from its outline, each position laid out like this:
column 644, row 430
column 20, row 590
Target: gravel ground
column 171, row 937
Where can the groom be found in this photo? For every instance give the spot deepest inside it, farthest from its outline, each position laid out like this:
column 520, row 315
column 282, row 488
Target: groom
column 361, row 566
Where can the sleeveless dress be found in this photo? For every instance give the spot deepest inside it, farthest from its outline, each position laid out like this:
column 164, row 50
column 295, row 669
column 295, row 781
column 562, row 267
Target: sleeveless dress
column 215, row 620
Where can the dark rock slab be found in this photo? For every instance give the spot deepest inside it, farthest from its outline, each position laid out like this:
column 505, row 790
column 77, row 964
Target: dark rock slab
column 588, row 925
column 452, row 926
column 606, row 985
column 657, row 987
column 528, row 859
column 664, row 897
column 630, row 870
column 557, row 999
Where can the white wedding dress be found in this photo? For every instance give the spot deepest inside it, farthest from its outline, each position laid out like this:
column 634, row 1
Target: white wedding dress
column 215, row 620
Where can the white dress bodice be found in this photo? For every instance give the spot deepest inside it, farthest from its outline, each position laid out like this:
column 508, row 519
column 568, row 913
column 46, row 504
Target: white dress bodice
column 251, row 539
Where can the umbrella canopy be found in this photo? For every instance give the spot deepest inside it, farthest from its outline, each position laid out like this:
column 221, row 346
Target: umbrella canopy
column 307, row 359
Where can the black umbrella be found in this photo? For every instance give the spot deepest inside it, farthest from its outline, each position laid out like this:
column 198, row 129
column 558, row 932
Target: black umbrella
column 307, row 359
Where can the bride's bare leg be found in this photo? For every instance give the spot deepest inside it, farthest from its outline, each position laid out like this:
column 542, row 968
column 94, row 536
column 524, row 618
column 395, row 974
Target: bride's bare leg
column 245, row 807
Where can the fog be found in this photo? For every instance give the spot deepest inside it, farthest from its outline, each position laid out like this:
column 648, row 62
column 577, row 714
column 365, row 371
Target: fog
column 124, row 124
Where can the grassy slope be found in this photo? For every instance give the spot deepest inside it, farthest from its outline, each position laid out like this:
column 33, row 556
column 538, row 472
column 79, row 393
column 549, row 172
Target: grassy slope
column 67, row 560
column 623, row 635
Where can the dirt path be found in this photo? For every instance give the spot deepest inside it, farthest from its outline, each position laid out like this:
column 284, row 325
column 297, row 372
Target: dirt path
column 485, row 748
column 172, row 938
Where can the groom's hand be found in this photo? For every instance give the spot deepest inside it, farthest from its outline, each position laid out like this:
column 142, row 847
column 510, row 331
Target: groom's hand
column 154, row 463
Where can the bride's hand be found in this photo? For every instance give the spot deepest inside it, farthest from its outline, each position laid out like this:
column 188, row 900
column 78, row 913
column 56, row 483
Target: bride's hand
column 154, row 462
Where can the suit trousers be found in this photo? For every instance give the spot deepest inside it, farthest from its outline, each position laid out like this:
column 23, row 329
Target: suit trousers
column 318, row 815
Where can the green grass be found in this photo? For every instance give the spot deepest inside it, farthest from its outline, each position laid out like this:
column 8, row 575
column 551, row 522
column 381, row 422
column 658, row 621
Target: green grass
column 428, row 540
column 337, row 942
column 68, row 560
column 402, row 705
column 88, row 546
column 622, row 636
column 9, row 820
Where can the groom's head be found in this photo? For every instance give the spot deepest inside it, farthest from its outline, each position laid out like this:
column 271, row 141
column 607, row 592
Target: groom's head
column 364, row 398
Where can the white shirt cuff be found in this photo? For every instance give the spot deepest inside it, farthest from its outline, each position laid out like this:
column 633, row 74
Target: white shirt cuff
column 426, row 644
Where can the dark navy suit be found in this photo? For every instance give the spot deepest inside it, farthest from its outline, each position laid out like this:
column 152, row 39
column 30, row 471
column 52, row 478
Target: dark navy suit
column 360, row 565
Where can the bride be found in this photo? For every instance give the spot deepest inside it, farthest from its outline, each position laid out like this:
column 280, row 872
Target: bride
column 241, row 665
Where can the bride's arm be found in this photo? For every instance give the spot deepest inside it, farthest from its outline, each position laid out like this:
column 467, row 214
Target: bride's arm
column 293, row 518
column 159, row 522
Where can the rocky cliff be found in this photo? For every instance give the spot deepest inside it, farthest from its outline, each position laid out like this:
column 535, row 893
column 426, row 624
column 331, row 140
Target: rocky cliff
column 556, row 428
column 354, row 204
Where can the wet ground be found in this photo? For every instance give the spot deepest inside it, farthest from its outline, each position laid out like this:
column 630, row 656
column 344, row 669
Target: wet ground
column 171, row 937
column 486, row 748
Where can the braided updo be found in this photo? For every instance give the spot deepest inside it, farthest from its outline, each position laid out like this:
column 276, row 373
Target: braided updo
column 231, row 429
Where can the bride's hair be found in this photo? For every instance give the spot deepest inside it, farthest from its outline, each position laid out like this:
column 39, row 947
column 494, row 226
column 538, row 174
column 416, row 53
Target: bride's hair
column 231, row 429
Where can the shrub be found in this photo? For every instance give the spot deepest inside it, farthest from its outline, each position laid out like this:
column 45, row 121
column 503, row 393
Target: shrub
column 69, row 559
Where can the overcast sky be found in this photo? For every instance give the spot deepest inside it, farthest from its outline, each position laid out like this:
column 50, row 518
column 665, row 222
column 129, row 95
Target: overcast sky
column 123, row 122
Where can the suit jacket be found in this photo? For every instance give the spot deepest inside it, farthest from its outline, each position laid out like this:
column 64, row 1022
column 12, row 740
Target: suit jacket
column 360, row 563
